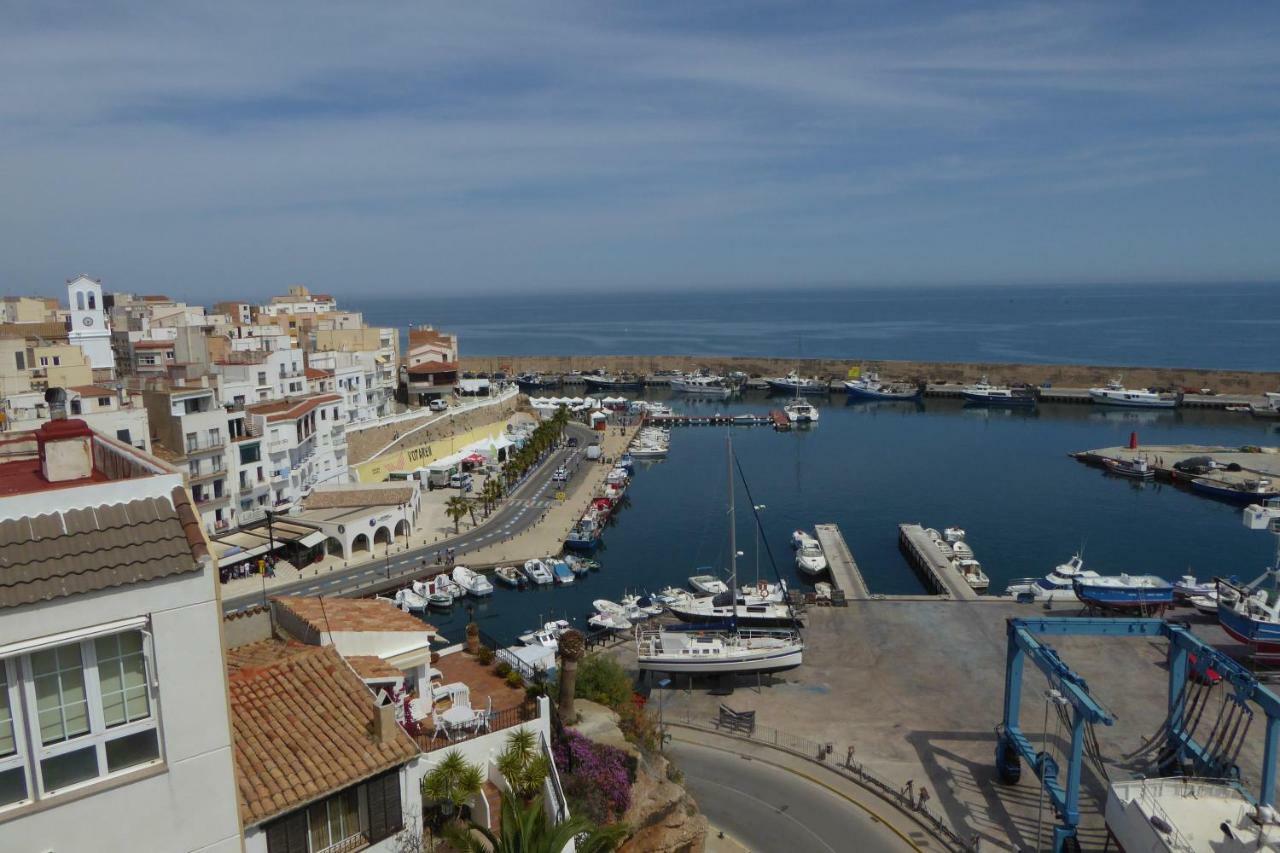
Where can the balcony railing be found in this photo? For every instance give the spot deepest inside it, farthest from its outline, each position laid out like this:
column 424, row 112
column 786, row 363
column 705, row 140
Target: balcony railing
column 211, row 500
column 197, row 476
column 204, row 444
column 505, row 719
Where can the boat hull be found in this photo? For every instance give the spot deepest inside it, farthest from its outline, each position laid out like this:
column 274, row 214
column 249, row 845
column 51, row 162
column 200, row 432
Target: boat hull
column 1224, row 493
column 1144, row 599
column 776, row 662
column 1102, row 399
column 1016, row 401
column 793, row 388
column 744, row 618
column 858, row 393
column 614, row 384
column 1262, row 638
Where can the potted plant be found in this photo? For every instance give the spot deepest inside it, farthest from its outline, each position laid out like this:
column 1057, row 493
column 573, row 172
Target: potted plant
column 450, row 785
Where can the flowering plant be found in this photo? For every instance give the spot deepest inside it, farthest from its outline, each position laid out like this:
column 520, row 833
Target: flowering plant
column 596, row 775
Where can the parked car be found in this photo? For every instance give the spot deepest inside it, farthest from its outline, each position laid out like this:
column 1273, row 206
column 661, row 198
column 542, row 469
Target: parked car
column 438, row 405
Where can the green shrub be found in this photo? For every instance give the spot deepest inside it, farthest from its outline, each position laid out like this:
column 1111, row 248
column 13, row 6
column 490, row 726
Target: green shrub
column 484, row 655
column 501, row 668
column 602, row 679
column 514, row 679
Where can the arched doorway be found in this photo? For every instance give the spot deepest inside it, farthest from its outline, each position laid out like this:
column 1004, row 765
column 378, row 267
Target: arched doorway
column 360, row 543
column 402, row 528
column 382, row 536
column 333, row 546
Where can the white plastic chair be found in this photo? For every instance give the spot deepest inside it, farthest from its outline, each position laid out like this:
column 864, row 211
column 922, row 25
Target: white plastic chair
column 439, row 728
column 483, row 717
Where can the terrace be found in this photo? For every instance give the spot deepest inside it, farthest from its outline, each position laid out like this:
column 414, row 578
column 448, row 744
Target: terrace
column 488, row 705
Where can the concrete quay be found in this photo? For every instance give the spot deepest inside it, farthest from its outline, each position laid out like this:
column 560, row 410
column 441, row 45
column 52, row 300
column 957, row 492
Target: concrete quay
column 915, row 688
column 934, row 569
column 1253, row 462
column 840, row 563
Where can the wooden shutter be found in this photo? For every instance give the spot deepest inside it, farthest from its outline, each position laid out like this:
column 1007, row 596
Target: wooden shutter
column 382, row 797
column 288, row 834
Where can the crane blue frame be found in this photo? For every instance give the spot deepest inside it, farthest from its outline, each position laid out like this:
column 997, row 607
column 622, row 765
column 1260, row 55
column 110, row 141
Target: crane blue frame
column 1013, row 746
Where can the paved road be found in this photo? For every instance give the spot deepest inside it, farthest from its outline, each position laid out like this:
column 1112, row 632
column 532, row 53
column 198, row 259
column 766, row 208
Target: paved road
column 518, row 513
column 769, row 808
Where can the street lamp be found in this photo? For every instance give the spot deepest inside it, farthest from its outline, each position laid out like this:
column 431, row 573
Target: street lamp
column 271, row 551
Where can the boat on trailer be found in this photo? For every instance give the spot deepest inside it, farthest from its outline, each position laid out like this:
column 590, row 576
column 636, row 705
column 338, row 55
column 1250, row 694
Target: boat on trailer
column 1124, row 592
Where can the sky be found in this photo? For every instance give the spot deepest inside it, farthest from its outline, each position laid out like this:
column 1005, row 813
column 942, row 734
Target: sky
column 230, row 149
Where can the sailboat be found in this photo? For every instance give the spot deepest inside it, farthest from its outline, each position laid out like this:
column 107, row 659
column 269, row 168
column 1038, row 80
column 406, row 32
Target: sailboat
column 726, row 650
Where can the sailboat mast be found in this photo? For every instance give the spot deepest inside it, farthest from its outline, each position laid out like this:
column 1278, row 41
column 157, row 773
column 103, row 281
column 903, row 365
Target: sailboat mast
column 733, row 533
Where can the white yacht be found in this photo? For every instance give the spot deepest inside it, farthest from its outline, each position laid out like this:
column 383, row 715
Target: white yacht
column 708, row 584
column 436, row 591
column 471, row 582
column 801, row 412
column 1058, row 585
column 984, row 393
column 764, row 591
column 408, row 599
column 609, row 622
column 794, row 383
column 701, row 385
column 697, row 651
column 548, row 635
column 537, row 572
column 1180, row 814
column 1115, row 394
column 810, row 558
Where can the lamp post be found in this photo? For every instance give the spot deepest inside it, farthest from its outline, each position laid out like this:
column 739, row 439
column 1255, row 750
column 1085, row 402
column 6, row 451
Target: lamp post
column 271, row 550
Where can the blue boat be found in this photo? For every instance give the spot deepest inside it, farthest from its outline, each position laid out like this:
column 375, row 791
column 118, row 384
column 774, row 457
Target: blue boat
column 1145, row 593
column 1257, row 491
column 582, row 538
column 986, row 394
column 625, row 461
column 561, row 571
column 869, row 387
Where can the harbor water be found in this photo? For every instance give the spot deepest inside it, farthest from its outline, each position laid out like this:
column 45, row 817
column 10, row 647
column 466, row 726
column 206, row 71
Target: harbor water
column 1004, row 476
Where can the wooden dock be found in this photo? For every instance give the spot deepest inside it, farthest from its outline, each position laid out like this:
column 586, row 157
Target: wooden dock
column 933, row 568
column 780, row 420
column 844, row 570
column 708, row 420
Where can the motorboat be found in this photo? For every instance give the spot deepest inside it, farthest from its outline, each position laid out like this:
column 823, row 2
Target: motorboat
column 473, row 583
column 1168, row 814
column 535, row 381
column 436, row 591
column 1115, row 394
column 1206, row 604
column 1138, row 468
column 810, row 558
column 799, row 539
column 801, row 412
column 626, row 462
column 548, row 635
column 961, row 550
column 1246, row 492
column 1188, row 587
column 511, row 576
column 657, row 410
column 537, row 572
column 710, row 652
column 700, row 385
column 794, row 383
column 726, row 607
column 409, row 600
column 869, row 386
column 1058, row 585
column 648, row 450
column 609, row 622
column 971, row 571
column 669, row 595
column 986, row 394
column 641, row 605
column 580, row 564
column 563, row 574
column 621, row 381
column 708, row 584
column 953, row 534
column 1143, row 593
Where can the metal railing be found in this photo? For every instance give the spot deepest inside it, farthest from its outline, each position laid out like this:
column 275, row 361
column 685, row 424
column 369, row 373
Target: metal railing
column 904, row 797
column 206, row 444
column 430, row 740
column 559, row 800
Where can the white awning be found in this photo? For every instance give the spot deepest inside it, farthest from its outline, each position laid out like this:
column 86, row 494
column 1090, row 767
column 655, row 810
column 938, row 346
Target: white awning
column 312, row 539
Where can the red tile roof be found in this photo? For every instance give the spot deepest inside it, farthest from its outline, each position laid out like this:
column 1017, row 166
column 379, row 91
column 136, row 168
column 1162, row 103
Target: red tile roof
column 152, row 344
column 373, row 668
column 351, row 614
column 302, row 724
column 432, row 367
column 291, row 408
column 317, row 373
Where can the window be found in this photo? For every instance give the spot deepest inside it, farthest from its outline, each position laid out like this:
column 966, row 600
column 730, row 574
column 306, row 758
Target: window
column 336, row 821
column 80, row 711
column 57, row 360
column 21, row 359
column 44, row 361
column 123, row 435
column 104, row 401
column 262, row 377
column 93, row 302
column 79, row 300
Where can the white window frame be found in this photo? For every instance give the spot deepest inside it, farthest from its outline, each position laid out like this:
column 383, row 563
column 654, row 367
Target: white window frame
column 19, row 757
column 26, row 722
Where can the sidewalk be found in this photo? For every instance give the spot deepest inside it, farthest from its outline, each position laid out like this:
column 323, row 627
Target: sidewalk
column 546, row 537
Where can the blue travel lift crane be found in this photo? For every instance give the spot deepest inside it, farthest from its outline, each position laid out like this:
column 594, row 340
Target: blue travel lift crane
column 1180, row 747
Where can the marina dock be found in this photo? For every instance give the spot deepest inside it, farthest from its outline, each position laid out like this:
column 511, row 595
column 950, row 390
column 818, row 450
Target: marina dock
column 1253, row 462
column 933, row 568
column 840, row 563
column 707, row 420
column 780, row 420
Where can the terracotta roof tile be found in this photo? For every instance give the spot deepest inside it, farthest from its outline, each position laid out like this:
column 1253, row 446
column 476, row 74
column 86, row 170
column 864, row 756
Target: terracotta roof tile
column 303, row 727
column 338, row 497
column 351, row 614
column 373, row 667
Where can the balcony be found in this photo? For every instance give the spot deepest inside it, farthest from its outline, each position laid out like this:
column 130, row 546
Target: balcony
column 205, row 501
column 210, row 474
column 206, row 445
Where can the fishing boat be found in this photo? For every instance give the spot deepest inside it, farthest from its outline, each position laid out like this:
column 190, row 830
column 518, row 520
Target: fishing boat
column 1246, row 492
column 1115, row 394
column 1135, row 469
column 1058, row 585
column 585, row 535
column 708, row 584
column 536, row 381
column 473, row 583
column 986, row 394
column 869, row 386
column 1206, row 604
column 1164, row 815
column 436, row 591
column 700, row 385
column 1144, row 593
column 626, row 462
column 561, row 571
column 511, row 576
column 1188, row 587
column 810, row 559
column 620, row 382
column 537, row 572
column 799, row 411
column 794, row 383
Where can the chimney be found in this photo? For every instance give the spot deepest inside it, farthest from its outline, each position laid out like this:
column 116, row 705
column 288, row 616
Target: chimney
column 57, row 400
column 384, row 724
column 66, row 449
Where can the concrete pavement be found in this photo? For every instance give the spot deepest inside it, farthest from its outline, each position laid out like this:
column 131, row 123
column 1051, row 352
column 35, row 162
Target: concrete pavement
column 764, row 803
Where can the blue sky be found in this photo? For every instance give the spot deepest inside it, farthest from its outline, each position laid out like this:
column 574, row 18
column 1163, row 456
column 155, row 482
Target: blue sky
column 233, row 148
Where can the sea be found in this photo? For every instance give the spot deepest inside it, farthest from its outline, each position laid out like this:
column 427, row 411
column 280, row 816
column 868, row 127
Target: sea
column 1219, row 326
column 1003, row 476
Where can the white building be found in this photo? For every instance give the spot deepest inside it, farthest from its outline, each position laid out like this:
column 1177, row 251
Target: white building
column 114, row 723
column 305, row 442
column 107, row 410
column 89, row 329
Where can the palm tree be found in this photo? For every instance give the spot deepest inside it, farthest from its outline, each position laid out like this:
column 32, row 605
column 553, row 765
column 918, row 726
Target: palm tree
column 572, row 647
column 457, row 508
column 526, row 828
column 452, row 783
column 523, row 765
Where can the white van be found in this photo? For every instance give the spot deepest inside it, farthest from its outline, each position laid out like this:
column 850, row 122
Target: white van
column 438, row 405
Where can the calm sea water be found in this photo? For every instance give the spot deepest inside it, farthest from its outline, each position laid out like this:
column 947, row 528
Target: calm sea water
column 1003, row 476
column 1230, row 326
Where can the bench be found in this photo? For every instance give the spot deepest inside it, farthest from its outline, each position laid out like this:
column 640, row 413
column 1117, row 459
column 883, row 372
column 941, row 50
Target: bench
column 737, row 721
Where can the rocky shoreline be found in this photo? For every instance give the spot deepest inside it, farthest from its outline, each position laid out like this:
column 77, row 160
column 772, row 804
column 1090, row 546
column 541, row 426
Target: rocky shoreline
column 1067, row 375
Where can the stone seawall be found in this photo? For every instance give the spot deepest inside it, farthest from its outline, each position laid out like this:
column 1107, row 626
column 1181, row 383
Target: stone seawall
column 1066, row 375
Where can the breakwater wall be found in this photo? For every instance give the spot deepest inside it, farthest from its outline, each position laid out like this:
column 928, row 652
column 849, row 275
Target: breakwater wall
column 1068, row 375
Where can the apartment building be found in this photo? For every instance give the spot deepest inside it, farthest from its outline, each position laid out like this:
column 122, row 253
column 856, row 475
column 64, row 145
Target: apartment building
column 114, row 718
column 28, row 309
column 299, row 300
column 305, row 444
column 360, row 380
column 272, row 374
column 430, row 369
column 110, row 411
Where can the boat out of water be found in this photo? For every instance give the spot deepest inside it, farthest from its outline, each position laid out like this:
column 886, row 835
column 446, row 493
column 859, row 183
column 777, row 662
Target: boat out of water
column 1206, row 604
column 1141, row 593
column 1058, row 585
column 1115, row 394
column 986, row 394
column 1187, row 815
column 1188, row 587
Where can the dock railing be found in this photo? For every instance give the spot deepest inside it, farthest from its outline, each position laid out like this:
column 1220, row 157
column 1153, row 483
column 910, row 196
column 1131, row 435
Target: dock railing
column 906, row 798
